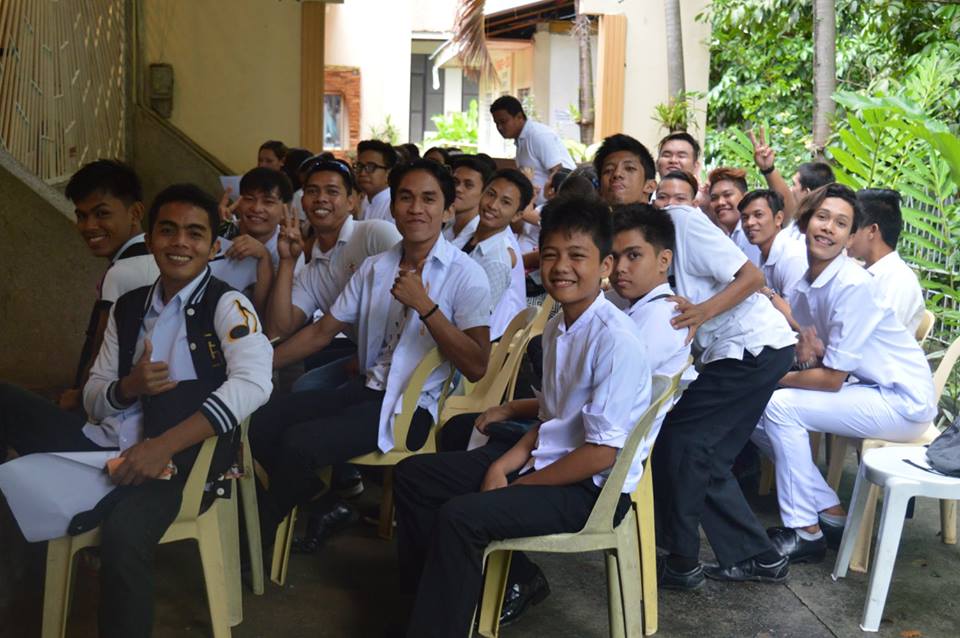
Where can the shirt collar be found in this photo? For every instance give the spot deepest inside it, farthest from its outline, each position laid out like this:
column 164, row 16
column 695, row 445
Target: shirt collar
column 382, row 195
column 136, row 239
column 585, row 318
column 776, row 249
column 187, row 296
column 525, row 131
column 662, row 289
column 887, row 261
column 828, row 273
column 487, row 244
column 346, row 232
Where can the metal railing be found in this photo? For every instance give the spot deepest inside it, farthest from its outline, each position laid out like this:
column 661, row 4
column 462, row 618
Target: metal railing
column 62, row 83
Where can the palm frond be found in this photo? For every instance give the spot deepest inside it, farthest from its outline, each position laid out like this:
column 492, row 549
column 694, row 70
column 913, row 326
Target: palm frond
column 469, row 37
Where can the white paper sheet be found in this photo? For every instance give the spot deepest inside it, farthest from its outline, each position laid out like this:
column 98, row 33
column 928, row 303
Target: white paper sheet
column 233, row 183
column 45, row 491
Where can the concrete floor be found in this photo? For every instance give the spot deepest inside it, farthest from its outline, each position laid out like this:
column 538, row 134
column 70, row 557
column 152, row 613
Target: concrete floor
column 347, row 590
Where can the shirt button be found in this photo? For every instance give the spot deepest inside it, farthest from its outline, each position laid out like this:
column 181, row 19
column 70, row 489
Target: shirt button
column 190, row 312
column 193, row 346
column 221, row 491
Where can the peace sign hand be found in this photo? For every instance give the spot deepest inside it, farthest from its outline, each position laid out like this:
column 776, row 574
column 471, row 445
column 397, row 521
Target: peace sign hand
column 763, row 155
column 290, row 240
column 226, row 208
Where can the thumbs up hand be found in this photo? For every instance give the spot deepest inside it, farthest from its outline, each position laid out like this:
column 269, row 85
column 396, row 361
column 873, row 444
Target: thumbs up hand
column 146, row 378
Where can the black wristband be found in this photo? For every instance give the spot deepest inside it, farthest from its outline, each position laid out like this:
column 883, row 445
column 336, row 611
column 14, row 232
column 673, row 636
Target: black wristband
column 432, row 310
column 767, row 171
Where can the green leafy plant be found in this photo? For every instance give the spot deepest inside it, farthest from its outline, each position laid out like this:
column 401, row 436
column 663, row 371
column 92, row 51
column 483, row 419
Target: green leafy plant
column 456, row 129
column 579, row 151
column 387, row 132
column 677, row 113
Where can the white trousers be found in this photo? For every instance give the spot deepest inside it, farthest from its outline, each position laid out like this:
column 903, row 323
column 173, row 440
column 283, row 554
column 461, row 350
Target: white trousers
column 855, row 411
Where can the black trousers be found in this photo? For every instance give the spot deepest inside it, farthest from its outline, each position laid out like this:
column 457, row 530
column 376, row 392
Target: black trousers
column 695, row 451
column 444, row 524
column 131, row 530
column 295, row 435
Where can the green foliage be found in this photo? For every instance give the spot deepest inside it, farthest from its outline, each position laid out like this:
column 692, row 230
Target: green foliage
column 579, row 151
column 677, row 114
column 387, row 132
column 455, row 129
column 761, row 64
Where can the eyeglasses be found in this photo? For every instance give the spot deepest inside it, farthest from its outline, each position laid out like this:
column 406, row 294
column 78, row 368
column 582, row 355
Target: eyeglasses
column 368, row 167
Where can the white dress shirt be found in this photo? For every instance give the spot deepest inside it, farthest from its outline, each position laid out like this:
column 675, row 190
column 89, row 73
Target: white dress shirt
column 249, row 364
column 897, row 288
column 514, row 298
column 540, row 148
column 321, row 281
column 460, row 240
column 750, row 250
column 596, row 386
column 785, row 266
column 865, row 339
column 129, row 273
column 704, row 263
column 493, row 255
column 378, row 207
column 452, row 280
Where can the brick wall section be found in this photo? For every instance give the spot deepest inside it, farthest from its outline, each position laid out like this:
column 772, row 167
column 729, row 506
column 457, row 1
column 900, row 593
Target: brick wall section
column 345, row 80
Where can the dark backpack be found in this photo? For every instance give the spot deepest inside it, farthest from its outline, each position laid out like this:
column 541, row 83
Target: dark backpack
column 943, row 454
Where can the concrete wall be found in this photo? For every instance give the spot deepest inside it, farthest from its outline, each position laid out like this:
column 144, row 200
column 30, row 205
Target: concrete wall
column 374, row 35
column 646, row 60
column 47, row 282
column 556, row 81
column 236, row 66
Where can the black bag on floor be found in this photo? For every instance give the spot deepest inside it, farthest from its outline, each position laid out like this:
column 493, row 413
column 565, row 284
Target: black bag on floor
column 943, row 454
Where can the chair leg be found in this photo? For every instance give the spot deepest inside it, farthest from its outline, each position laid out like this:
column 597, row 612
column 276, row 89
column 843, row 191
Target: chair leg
column 615, row 599
column 948, row 522
column 838, row 452
column 766, row 477
column 281, row 549
column 648, row 556
column 631, row 581
column 57, row 586
column 211, row 556
column 851, row 532
column 227, row 527
column 895, row 499
column 861, row 552
column 494, row 590
column 385, row 528
column 251, row 521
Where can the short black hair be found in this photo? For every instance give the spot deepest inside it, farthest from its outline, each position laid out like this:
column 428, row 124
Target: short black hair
column 773, row 198
column 322, row 163
column 266, row 180
column 813, row 175
column 438, row 149
column 474, row 163
column 575, row 213
column 107, row 176
column 518, row 179
column 483, row 157
column 291, row 165
column 387, row 152
column 620, row 142
column 186, row 194
column 881, row 206
column 509, row 104
column 438, row 171
column 279, row 148
column 815, row 199
column 683, row 176
column 409, row 149
column 683, row 136
column 654, row 224
column 581, row 181
column 557, row 178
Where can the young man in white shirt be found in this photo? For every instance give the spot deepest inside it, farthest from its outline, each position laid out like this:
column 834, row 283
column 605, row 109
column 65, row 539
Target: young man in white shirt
column 154, row 396
column 249, row 260
column 596, row 386
column 375, row 160
column 470, row 173
column 626, row 171
column 341, row 246
column 743, row 346
column 108, row 204
column 420, row 294
column 782, row 260
column 727, row 188
column 846, row 332
column 875, row 242
column 538, row 146
column 494, row 246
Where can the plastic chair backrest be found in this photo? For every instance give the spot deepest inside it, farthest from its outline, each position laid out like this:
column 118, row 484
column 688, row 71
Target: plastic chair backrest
column 411, row 395
column 197, row 480
column 925, row 327
column 601, row 518
column 535, row 329
column 500, row 358
column 947, row 363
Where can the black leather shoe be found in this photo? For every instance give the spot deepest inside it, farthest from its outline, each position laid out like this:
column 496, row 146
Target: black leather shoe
column 750, row 570
column 321, row 527
column 519, row 596
column 347, row 481
column 833, row 534
column 679, row 581
column 798, row 550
